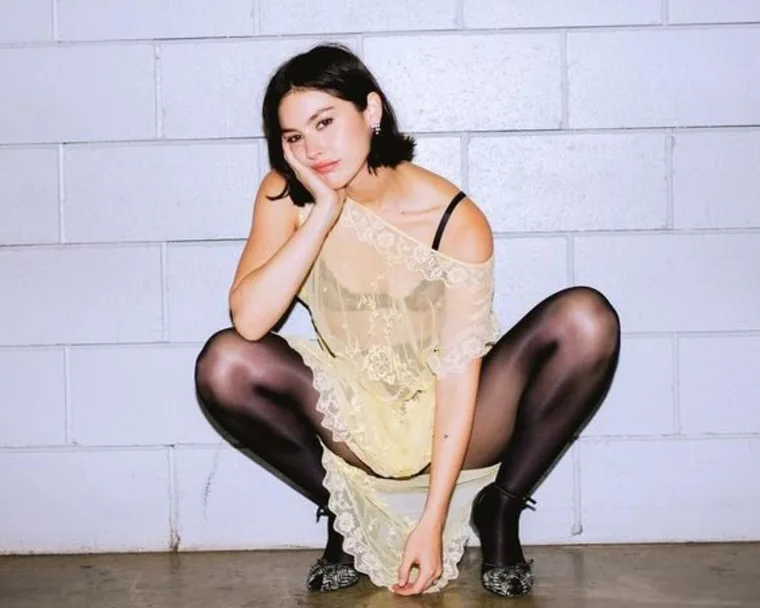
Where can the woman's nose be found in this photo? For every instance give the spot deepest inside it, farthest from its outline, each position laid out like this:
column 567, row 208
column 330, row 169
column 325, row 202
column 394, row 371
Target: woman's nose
column 312, row 148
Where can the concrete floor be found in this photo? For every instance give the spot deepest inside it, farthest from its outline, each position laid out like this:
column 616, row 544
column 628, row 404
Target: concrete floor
column 568, row 577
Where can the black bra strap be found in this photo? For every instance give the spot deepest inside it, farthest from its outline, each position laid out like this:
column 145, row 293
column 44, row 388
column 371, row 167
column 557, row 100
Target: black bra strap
column 446, row 214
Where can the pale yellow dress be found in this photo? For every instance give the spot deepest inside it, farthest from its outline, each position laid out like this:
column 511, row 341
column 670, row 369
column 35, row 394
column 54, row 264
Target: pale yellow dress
column 391, row 314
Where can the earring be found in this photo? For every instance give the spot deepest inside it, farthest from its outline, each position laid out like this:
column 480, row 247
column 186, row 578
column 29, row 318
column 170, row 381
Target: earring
column 376, row 129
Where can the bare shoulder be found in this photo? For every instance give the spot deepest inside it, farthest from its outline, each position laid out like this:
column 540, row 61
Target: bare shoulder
column 272, row 185
column 467, row 236
column 268, row 198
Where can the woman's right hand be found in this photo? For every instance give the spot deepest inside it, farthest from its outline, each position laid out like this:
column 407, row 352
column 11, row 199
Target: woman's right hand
column 324, row 195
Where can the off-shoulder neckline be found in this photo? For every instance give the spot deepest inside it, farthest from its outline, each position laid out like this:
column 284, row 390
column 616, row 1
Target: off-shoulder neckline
column 377, row 217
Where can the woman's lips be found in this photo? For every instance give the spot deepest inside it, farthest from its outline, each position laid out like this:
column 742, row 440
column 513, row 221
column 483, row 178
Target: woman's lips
column 327, row 167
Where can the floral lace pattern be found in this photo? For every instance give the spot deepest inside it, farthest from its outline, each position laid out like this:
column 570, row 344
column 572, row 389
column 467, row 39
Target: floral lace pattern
column 353, row 421
column 397, row 247
column 480, row 339
column 391, row 314
column 376, row 540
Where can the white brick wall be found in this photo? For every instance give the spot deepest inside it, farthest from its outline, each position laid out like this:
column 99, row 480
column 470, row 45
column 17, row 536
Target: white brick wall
column 663, row 78
column 611, row 143
column 61, row 93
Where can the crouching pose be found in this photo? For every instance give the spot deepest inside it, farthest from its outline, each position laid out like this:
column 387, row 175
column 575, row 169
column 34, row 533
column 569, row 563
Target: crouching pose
column 413, row 414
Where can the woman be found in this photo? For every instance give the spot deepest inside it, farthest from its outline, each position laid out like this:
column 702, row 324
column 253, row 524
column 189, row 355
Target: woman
column 412, row 403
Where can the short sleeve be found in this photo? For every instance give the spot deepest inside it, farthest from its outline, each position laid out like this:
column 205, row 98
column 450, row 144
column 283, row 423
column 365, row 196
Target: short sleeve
column 466, row 326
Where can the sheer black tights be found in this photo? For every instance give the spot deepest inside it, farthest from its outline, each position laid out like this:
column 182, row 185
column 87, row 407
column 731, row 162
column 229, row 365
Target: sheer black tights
column 261, row 393
column 539, row 383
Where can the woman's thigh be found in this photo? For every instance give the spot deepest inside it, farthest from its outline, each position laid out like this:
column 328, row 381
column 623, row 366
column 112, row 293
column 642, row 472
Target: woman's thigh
column 574, row 325
column 267, row 380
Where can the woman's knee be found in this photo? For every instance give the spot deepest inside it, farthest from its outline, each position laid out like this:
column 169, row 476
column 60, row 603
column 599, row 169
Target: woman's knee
column 223, row 363
column 588, row 319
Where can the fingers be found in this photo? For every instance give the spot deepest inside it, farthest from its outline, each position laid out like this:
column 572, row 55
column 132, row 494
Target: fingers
column 421, row 583
column 403, row 572
column 291, row 158
column 304, row 173
column 425, row 579
column 407, row 561
column 313, row 182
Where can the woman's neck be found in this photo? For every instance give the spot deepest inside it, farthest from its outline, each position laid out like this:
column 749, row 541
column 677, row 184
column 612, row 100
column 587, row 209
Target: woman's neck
column 376, row 190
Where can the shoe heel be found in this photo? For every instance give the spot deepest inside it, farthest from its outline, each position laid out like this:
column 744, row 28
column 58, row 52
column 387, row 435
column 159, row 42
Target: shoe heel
column 514, row 580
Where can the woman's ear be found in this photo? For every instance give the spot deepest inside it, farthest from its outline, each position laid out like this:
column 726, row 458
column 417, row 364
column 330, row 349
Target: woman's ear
column 374, row 111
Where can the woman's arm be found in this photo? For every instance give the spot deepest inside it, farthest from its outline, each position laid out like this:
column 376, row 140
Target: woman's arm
column 275, row 261
column 452, row 427
column 279, row 254
column 469, row 240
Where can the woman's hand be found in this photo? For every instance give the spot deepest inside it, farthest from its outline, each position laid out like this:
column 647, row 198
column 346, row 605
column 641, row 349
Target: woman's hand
column 323, row 193
column 423, row 549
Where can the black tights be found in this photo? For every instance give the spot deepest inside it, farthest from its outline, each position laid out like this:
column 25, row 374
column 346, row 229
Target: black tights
column 539, row 383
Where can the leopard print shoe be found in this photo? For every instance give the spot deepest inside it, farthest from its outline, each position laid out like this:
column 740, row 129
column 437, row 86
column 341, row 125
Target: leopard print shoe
column 330, row 576
column 508, row 581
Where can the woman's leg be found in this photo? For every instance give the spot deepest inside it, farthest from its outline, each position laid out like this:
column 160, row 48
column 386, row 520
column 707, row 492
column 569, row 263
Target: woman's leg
column 539, row 384
column 261, row 393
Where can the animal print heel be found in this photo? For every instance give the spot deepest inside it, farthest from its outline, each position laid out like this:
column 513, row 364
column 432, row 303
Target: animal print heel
column 512, row 580
column 327, row 575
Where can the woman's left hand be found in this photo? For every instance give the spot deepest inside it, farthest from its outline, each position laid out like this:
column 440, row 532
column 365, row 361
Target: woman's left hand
column 423, row 549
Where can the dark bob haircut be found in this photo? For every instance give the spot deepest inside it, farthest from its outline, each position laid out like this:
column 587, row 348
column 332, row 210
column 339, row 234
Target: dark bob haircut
column 332, row 68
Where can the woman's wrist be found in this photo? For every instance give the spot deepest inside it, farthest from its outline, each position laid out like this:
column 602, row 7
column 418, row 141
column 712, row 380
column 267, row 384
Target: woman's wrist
column 433, row 518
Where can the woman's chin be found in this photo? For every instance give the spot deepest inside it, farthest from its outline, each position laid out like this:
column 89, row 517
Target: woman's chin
column 339, row 180
column 336, row 181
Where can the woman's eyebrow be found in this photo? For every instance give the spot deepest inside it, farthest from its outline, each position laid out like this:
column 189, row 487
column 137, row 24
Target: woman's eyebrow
column 312, row 117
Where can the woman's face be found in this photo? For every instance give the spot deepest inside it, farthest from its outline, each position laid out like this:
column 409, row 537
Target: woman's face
column 327, row 133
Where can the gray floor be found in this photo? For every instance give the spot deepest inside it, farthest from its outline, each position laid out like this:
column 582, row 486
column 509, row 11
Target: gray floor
column 567, row 577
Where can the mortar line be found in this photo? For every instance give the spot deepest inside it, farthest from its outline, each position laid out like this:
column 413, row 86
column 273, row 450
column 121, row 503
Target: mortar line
column 159, row 102
column 164, row 294
column 577, row 525
column 669, row 179
column 68, row 414
column 453, row 31
column 676, row 359
column 570, row 249
column 263, row 164
column 54, row 19
column 61, row 195
column 360, row 46
column 174, row 537
column 464, row 163
column 564, row 85
column 256, row 17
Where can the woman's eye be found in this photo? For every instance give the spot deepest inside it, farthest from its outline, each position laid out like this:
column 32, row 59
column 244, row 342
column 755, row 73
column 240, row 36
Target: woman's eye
column 324, row 122
column 292, row 139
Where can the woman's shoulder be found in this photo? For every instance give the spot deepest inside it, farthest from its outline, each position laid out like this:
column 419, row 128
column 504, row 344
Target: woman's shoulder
column 273, row 184
column 271, row 197
column 467, row 235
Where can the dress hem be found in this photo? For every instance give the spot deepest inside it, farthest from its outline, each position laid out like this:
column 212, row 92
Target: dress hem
column 341, row 504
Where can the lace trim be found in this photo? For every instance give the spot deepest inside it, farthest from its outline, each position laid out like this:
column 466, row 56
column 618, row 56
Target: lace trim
column 356, row 542
column 327, row 402
column 399, row 247
column 474, row 345
column 340, row 502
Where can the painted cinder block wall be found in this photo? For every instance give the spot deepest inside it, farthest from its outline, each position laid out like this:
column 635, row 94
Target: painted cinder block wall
column 611, row 143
